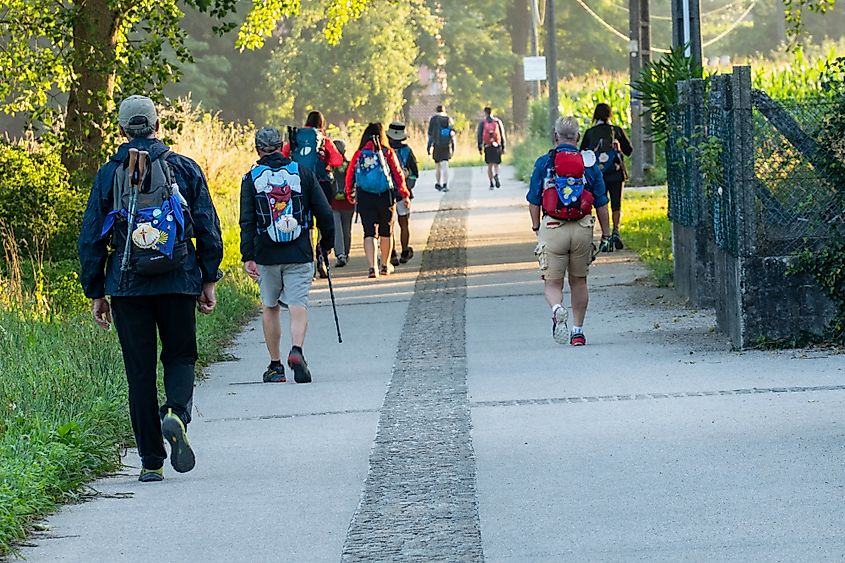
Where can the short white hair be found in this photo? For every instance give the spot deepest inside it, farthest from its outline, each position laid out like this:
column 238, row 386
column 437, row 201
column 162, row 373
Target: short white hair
column 568, row 128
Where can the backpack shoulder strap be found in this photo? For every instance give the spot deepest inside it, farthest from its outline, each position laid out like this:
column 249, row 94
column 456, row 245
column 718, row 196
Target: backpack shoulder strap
column 169, row 176
column 551, row 166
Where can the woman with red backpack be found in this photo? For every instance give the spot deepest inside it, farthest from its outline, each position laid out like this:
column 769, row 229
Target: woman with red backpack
column 373, row 180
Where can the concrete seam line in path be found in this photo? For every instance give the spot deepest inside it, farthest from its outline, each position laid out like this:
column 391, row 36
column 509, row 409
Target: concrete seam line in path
column 654, row 396
column 288, row 415
column 419, row 501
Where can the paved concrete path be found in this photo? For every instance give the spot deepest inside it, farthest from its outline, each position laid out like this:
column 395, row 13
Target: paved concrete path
column 448, row 426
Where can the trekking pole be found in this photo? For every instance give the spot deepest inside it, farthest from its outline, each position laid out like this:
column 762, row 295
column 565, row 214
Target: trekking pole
column 133, row 202
column 331, row 294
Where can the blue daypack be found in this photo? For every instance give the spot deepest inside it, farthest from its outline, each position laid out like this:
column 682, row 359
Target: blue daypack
column 306, row 146
column 404, row 153
column 370, row 174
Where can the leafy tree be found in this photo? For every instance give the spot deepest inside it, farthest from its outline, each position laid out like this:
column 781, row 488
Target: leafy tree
column 478, row 64
column 347, row 80
column 93, row 51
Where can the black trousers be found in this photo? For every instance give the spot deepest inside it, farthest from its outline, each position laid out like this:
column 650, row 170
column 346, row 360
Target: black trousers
column 140, row 321
column 376, row 211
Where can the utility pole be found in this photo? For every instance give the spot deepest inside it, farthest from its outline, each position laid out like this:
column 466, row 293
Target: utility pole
column 551, row 66
column 535, row 43
column 686, row 27
column 639, row 50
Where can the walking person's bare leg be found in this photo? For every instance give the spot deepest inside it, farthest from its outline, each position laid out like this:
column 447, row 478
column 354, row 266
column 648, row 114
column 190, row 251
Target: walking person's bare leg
column 404, row 231
column 370, row 251
column 553, row 290
column 580, row 299
column 298, row 324
column 386, row 246
column 272, row 331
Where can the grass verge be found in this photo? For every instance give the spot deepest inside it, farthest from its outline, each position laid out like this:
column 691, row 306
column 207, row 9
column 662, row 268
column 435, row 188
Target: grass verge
column 647, row 230
column 645, row 223
column 63, row 397
column 63, row 409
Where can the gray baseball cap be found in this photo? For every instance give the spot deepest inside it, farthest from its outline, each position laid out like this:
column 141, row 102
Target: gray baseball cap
column 137, row 113
column 268, row 139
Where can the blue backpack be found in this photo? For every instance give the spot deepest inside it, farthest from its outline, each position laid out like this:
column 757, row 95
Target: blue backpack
column 278, row 198
column 404, row 153
column 306, row 146
column 445, row 135
column 370, row 173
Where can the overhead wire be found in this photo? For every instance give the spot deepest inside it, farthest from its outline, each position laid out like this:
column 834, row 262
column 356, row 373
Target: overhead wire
column 728, row 6
column 732, row 27
column 610, row 28
column 707, row 43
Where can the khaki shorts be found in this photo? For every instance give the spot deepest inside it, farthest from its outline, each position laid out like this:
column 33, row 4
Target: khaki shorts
column 286, row 284
column 565, row 246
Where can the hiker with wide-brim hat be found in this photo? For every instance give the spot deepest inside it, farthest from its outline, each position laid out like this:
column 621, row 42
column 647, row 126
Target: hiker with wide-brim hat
column 397, row 134
column 157, row 276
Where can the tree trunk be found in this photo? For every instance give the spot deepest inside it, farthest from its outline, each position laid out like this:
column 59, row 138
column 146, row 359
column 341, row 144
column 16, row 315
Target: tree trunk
column 519, row 17
column 95, row 37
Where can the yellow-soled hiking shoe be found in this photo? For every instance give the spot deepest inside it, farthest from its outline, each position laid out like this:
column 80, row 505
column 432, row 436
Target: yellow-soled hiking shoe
column 151, row 475
column 181, row 455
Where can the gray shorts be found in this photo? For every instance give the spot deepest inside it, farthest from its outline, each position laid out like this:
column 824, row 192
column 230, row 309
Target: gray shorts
column 287, row 284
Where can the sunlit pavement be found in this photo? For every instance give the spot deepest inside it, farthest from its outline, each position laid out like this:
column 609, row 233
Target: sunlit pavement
column 449, row 426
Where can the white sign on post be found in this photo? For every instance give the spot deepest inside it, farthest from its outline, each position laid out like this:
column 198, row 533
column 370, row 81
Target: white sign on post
column 534, row 68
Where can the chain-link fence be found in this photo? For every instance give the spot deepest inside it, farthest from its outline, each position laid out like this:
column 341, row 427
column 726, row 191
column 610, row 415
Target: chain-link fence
column 683, row 196
column 718, row 170
column 799, row 173
column 753, row 182
column 798, row 168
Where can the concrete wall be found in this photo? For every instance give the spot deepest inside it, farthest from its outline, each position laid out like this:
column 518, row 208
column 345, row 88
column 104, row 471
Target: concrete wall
column 727, row 296
column 756, row 300
column 779, row 306
column 693, row 265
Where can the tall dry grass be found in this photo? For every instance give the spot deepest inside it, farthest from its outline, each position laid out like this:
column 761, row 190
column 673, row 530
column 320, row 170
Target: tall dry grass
column 224, row 150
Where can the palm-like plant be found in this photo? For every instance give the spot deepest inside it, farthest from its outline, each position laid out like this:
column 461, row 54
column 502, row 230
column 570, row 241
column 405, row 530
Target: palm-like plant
column 657, row 87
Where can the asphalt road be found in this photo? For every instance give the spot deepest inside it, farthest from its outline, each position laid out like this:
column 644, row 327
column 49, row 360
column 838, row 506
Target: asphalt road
column 449, row 426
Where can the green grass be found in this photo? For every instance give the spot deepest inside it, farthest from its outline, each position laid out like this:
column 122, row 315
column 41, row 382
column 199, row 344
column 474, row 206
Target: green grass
column 645, row 223
column 63, row 398
column 647, row 230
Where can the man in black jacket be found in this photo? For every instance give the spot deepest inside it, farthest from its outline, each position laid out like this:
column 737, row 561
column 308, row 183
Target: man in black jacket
column 278, row 199
column 144, row 305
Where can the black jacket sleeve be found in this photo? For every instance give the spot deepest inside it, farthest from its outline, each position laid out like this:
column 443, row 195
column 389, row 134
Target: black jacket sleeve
column 320, row 209
column 94, row 250
column 206, row 224
column 624, row 142
column 248, row 219
column 585, row 139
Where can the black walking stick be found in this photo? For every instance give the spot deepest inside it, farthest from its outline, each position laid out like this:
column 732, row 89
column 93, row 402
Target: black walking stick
column 331, row 294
